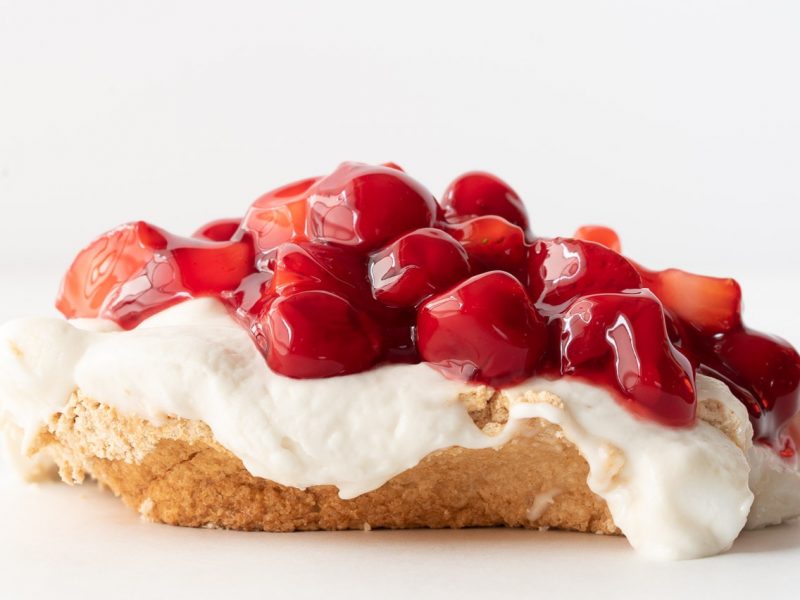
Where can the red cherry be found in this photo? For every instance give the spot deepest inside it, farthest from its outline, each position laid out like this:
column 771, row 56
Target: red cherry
column 213, row 267
column 155, row 288
column 560, row 270
column 765, row 368
column 250, row 302
column 599, row 234
column 485, row 329
column 477, row 194
column 415, row 266
column 185, row 268
column 253, row 294
column 363, row 206
column 221, row 230
column 710, row 304
column 622, row 339
column 492, row 243
column 280, row 215
column 319, row 334
column 106, row 263
column 307, row 266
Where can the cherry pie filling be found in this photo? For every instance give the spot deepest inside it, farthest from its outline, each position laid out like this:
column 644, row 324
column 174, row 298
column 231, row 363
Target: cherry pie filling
column 334, row 275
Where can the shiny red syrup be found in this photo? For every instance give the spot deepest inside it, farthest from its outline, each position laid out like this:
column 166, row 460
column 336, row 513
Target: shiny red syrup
column 137, row 270
column 485, row 329
column 478, row 194
column 622, row 338
column 415, row 266
column 221, row 230
column 492, row 243
column 336, row 274
column 364, row 207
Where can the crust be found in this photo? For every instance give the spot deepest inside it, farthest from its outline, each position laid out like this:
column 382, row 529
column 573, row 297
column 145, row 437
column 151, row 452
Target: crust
column 176, row 473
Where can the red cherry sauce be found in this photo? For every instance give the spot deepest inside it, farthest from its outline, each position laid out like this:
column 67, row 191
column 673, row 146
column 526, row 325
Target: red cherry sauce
column 333, row 275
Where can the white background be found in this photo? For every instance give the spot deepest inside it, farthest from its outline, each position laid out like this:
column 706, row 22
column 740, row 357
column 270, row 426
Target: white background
column 676, row 122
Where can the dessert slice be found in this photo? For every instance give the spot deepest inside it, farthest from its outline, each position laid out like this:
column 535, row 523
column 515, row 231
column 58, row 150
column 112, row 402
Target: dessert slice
column 353, row 354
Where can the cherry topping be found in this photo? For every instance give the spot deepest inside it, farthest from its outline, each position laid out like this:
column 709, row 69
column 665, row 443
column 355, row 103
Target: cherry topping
column 213, row 267
column 363, row 206
column 253, row 295
column 600, row 235
column 316, row 265
column 221, row 230
column 415, row 266
column 319, row 334
column 184, row 268
column 156, row 287
column 280, row 215
column 710, row 304
column 306, row 266
column 625, row 335
column 763, row 371
column 563, row 269
column 492, row 243
column 477, row 194
column 109, row 261
column 484, row 329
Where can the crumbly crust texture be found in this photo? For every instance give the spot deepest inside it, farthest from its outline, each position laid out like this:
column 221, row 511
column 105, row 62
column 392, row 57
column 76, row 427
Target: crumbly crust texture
column 176, row 473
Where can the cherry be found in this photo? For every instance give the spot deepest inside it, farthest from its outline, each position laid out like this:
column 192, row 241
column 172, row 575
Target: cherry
column 492, row 243
column 562, row 269
column 253, row 295
column 106, row 263
column 300, row 266
column 221, row 230
column 622, row 338
column 183, row 268
column 279, row 215
column 415, row 266
column 600, row 235
column 319, row 334
column 478, row 194
column 711, row 304
column 364, row 207
column 485, row 329
column 763, row 370
column 213, row 267
column 155, row 288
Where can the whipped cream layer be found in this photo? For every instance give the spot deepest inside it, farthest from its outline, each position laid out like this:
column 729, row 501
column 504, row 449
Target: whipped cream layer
column 675, row 493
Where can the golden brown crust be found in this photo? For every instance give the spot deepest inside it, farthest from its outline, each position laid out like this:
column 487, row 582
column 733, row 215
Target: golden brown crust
column 176, row 473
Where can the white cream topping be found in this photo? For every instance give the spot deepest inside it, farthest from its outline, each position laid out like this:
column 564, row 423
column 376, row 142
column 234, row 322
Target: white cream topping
column 675, row 493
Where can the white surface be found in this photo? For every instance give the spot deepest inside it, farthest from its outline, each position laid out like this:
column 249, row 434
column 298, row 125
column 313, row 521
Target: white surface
column 83, row 543
column 675, row 122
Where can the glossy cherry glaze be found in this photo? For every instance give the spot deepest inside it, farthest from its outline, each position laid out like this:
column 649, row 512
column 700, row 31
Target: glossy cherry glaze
column 334, row 275
column 301, row 344
column 484, row 329
column 622, row 338
column 492, row 243
column 477, row 194
column 364, row 207
column 599, row 234
column 220, row 230
column 415, row 266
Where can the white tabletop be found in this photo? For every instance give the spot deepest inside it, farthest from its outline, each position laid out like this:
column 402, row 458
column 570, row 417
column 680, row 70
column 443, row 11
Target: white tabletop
column 81, row 542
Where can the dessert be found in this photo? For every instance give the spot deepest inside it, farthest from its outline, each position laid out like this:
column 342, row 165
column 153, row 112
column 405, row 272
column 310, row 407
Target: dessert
column 354, row 354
